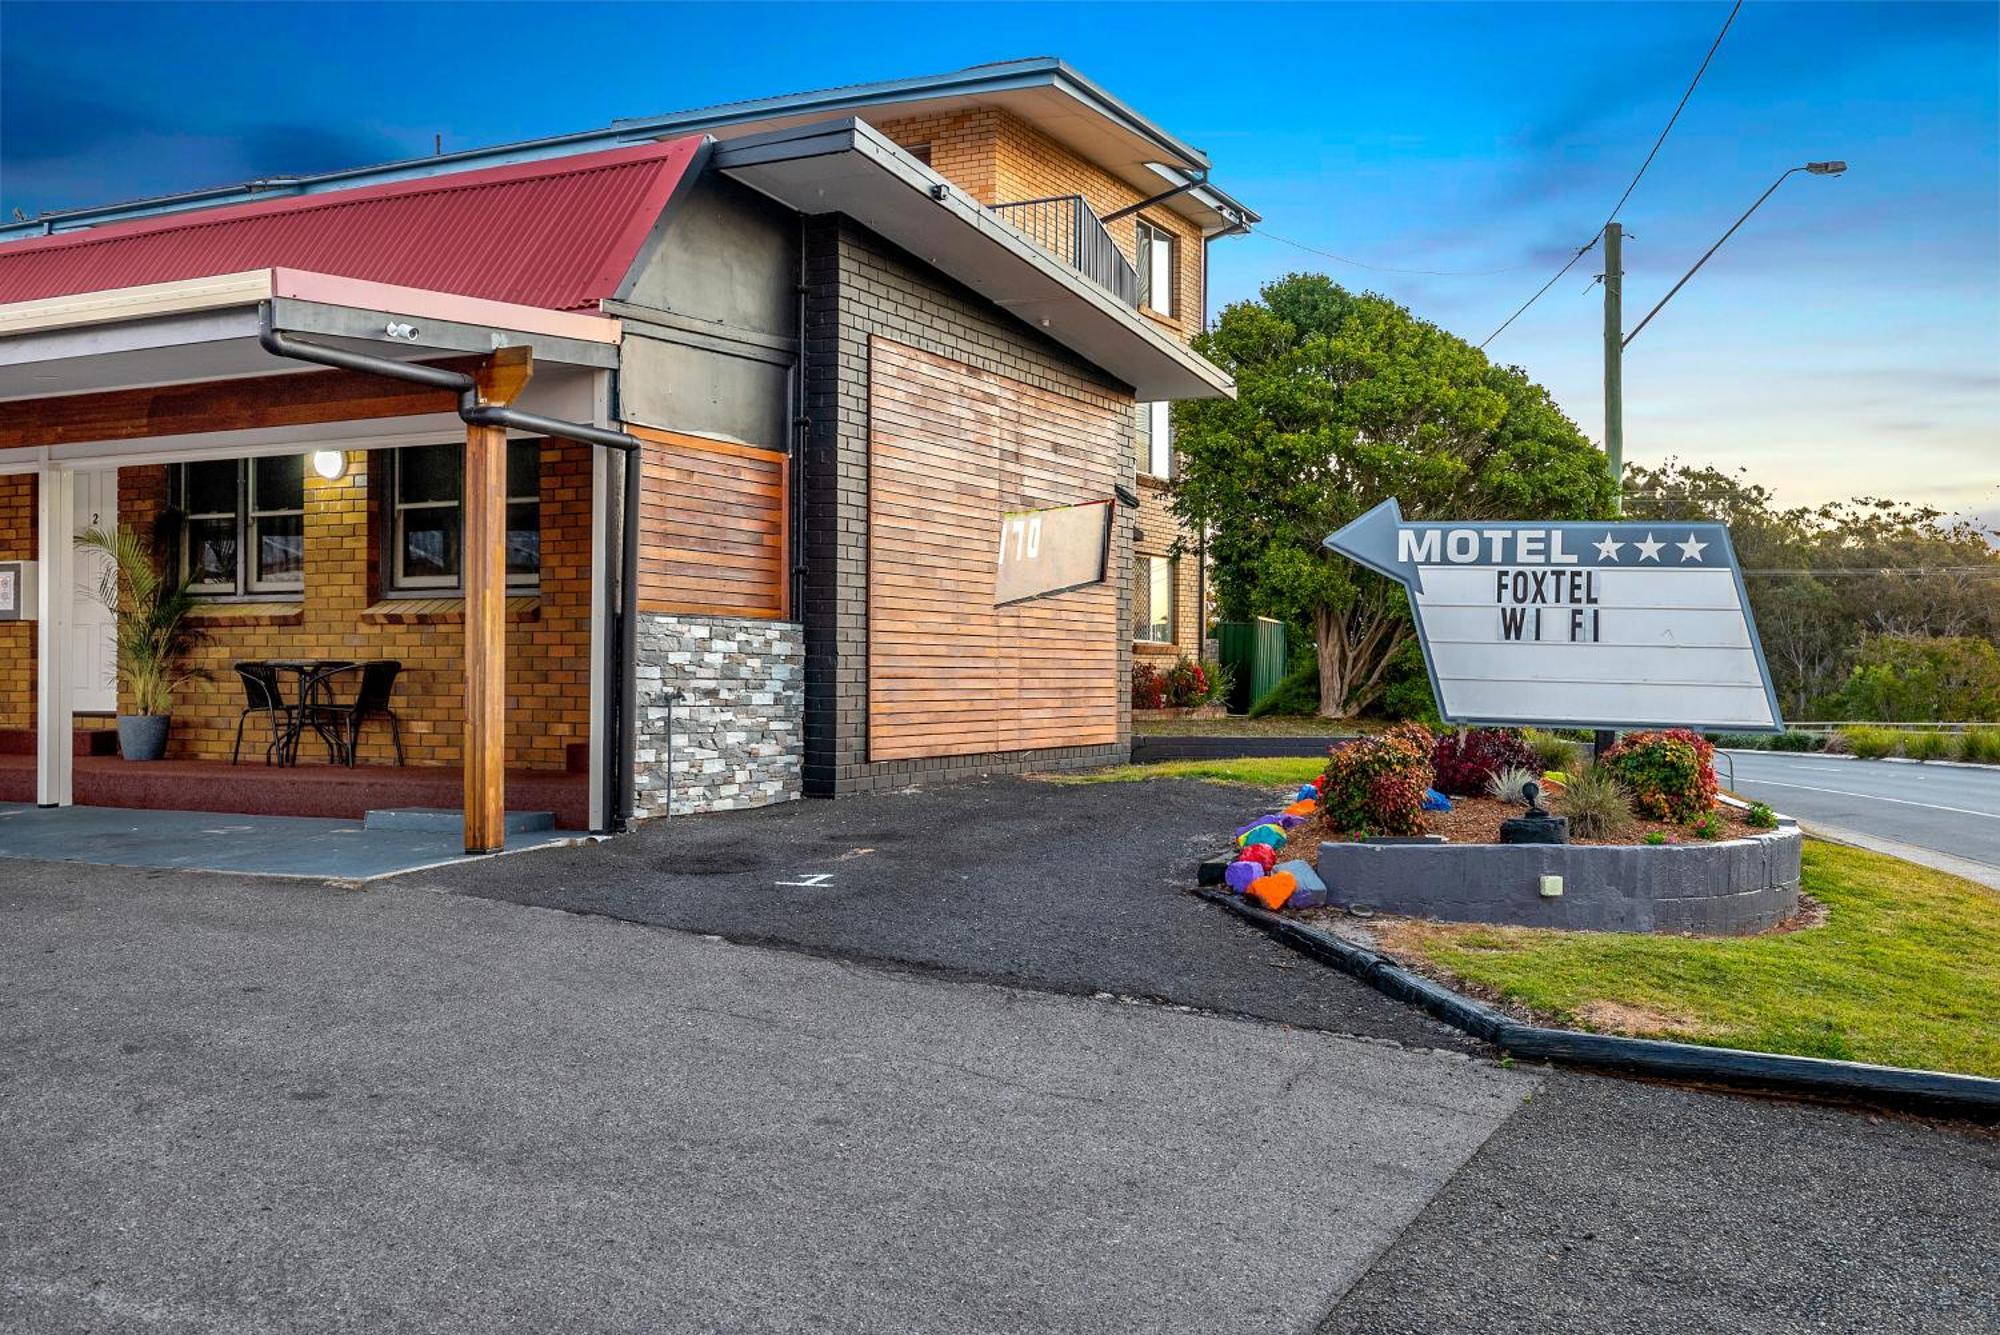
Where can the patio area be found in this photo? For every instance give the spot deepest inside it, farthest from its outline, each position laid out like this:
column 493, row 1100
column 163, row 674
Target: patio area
column 345, row 850
column 304, row 790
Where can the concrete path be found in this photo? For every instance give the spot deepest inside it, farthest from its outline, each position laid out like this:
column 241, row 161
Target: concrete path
column 233, row 1106
column 1952, row 811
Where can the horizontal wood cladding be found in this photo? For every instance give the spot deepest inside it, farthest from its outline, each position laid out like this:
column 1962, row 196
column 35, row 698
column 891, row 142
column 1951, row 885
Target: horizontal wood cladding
column 300, row 399
column 712, row 527
column 950, row 449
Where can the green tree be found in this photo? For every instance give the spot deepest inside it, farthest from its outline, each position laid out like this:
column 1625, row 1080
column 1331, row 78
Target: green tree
column 1343, row 400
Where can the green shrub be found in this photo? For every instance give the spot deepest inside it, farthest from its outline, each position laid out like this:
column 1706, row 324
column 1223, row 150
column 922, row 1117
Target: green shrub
column 1707, row 826
column 1597, row 805
column 1655, row 838
column 1760, row 817
column 1981, row 746
column 1670, row 775
column 1375, row 785
column 1794, row 740
column 1406, row 688
column 1931, row 744
column 1297, row 693
column 1740, row 741
column 1870, row 743
column 1510, row 782
column 1551, row 751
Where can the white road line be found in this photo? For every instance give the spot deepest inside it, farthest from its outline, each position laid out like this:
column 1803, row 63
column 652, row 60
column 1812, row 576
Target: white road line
column 1877, row 797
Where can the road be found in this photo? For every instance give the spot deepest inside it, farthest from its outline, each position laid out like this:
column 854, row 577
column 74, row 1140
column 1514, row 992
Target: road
column 968, row 1059
column 1952, row 811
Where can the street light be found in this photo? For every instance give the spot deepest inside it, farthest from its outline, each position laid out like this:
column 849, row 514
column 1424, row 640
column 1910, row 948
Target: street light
column 1614, row 316
column 1834, row 168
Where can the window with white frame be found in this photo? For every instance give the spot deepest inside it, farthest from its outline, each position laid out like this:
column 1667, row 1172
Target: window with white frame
column 1153, row 600
column 425, row 532
column 1156, row 439
column 1156, row 269
column 244, row 525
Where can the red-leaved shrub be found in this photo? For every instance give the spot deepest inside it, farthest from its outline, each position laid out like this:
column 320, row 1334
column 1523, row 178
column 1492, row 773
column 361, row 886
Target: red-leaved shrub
column 1467, row 760
column 1375, row 785
column 1670, row 774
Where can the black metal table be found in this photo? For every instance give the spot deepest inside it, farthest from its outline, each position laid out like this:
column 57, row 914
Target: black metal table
column 315, row 687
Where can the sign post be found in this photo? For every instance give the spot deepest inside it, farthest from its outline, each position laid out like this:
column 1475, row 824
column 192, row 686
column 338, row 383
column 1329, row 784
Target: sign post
column 1577, row 625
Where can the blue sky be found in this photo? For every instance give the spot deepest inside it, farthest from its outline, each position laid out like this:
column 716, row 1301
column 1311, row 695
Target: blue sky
column 1846, row 342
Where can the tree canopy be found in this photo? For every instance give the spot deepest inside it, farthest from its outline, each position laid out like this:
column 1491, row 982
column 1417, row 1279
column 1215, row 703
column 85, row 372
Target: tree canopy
column 1343, row 400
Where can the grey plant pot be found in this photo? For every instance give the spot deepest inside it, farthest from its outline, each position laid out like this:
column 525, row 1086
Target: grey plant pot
column 143, row 736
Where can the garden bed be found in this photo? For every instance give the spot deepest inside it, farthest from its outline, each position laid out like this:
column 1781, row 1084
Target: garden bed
column 1476, row 820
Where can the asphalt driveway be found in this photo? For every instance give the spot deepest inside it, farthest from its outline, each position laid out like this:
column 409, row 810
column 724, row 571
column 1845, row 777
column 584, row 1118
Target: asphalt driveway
column 228, row 1105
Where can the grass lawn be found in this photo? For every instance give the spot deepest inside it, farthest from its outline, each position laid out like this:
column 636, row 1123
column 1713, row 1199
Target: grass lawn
column 1904, row 972
column 1264, row 771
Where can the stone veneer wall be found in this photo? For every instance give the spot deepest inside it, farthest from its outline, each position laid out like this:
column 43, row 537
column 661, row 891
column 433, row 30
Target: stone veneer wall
column 738, row 727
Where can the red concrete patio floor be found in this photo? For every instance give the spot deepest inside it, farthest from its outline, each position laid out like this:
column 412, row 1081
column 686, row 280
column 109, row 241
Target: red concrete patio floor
column 297, row 790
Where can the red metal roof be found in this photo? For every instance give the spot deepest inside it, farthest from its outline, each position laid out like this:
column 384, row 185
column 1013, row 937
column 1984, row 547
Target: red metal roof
column 558, row 233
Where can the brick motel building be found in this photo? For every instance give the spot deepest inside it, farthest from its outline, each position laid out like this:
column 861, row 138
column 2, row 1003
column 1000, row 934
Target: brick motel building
column 669, row 461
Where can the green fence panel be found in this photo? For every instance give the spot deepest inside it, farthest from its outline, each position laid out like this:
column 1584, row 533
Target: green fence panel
column 1254, row 654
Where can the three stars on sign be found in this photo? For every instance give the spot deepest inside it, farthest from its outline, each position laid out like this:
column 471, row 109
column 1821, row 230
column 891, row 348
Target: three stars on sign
column 1649, row 549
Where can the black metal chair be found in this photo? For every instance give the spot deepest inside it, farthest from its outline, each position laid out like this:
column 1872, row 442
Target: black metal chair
column 263, row 695
column 378, row 685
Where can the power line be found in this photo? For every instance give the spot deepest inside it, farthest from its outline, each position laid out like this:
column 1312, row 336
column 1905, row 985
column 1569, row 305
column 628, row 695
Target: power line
column 1612, row 217
column 1384, row 268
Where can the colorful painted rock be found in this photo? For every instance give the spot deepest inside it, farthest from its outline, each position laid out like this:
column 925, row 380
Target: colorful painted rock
column 1308, row 792
column 1241, row 873
column 1274, row 890
column 1265, row 857
column 1435, row 800
column 1271, row 819
column 1289, row 823
column 1264, row 834
column 1302, row 808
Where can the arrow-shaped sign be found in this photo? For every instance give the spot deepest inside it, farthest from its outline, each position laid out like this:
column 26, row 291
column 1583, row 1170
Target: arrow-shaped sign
column 1609, row 624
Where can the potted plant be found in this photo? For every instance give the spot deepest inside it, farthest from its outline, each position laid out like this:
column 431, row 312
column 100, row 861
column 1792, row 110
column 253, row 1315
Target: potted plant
column 150, row 613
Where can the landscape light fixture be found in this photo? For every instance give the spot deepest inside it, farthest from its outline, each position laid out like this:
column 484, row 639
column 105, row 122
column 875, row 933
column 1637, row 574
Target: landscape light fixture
column 330, row 464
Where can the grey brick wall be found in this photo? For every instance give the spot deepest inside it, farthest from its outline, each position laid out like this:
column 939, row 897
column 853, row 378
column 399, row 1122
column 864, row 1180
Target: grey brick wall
column 738, row 723
column 857, row 286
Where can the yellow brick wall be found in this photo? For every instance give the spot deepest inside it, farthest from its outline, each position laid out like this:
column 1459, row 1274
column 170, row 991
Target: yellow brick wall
column 341, row 615
column 17, row 638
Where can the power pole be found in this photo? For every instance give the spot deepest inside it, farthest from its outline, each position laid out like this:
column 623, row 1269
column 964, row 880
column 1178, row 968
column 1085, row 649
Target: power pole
column 1614, row 361
column 1614, row 393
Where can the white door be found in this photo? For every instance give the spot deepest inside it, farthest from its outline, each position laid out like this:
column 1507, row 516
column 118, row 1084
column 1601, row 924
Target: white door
column 93, row 639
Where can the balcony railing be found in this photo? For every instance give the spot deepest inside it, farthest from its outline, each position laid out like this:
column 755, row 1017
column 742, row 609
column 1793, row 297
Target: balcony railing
column 1067, row 228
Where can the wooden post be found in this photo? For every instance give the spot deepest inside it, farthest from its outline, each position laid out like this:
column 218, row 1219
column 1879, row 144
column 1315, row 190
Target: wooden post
column 484, row 517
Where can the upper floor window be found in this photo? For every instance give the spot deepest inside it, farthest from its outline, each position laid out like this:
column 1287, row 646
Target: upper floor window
column 246, row 525
column 426, row 491
column 1156, row 439
column 1156, row 269
column 921, row 152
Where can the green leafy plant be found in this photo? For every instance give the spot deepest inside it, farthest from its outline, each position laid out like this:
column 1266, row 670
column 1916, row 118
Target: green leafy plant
column 1596, row 804
column 1708, row 826
column 1375, row 785
column 1794, row 740
column 1760, row 817
column 1740, row 741
column 1870, row 743
column 1297, row 693
column 1549, row 750
column 1931, row 744
column 1670, row 775
column 1509, row 784
column 150, row 615
column 1981, row 746
column 1655, row 838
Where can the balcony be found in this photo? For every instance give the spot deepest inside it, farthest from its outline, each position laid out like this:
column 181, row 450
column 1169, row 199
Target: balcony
column 1067, row 228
